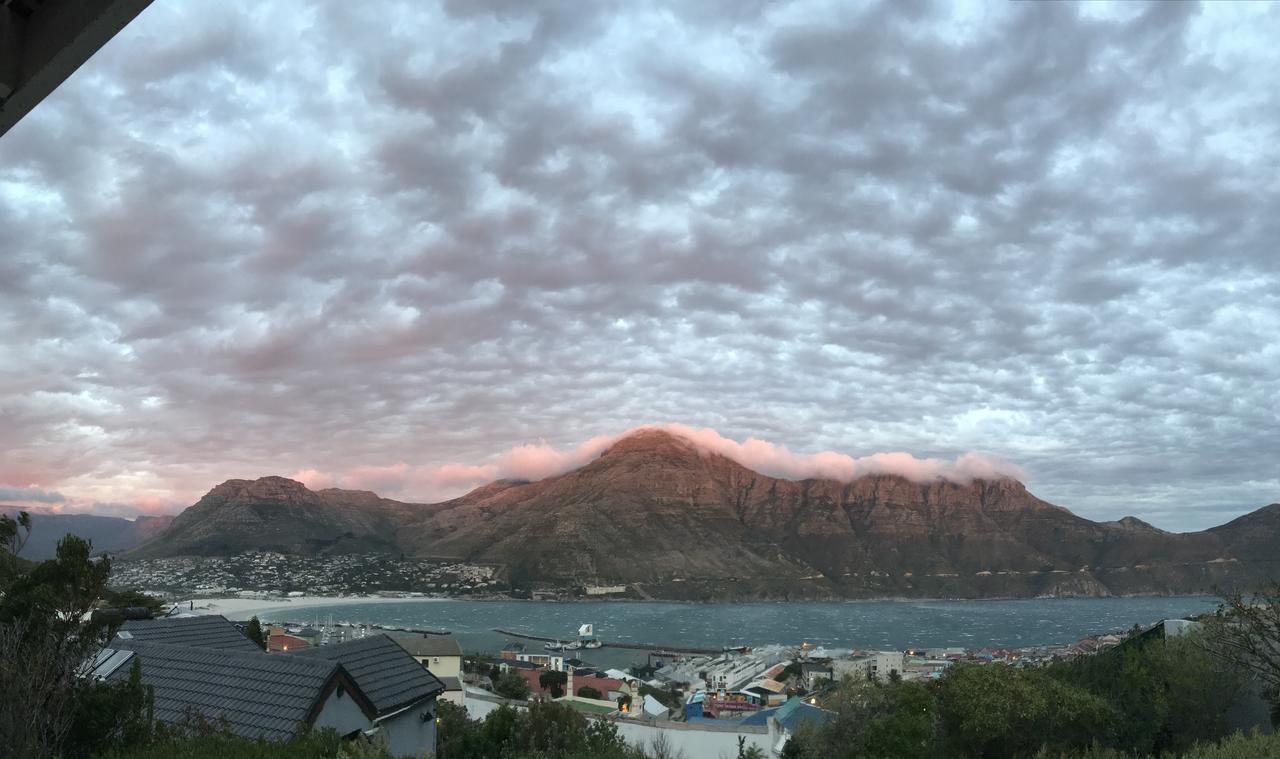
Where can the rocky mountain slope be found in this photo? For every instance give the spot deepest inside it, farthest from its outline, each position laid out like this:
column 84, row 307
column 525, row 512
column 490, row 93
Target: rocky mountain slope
column 656, row 512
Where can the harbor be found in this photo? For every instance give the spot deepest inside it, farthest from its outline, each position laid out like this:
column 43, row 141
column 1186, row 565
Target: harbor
column 662, row 648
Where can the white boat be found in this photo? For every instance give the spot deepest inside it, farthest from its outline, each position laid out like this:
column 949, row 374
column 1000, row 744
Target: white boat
column 556, row 646
column 593, row 643
column 572, row 645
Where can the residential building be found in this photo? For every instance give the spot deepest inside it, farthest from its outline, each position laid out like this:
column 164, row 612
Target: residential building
column 813, row 673
column 257, row 695
column 369, row 686
column 402, row 692
column 442, row 656
column 875, row 665
column 511, row 650
column 280, row 641
column 208, row 631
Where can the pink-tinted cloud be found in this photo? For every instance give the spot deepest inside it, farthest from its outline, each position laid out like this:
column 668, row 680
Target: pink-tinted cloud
column 314, row 479
column 536, row 461
column 779, row 461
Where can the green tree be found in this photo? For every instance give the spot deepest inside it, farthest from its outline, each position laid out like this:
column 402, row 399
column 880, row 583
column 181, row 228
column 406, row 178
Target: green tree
column 554, row 682
column 1171, row 692
column 253, row 631
column 511, row 685
column 120, row 599
column 1245, row 632
column 46, row 636
column 999, row 711
column 907, row 729
column 587, row 691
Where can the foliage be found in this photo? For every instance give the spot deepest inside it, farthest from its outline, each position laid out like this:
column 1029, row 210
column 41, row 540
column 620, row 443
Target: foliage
column 745, row 752
column 511, row 685
column 48, row 709
column 1170, row 692
column 996, row 710
column 1246, row 632
column 107, row 716
column 119, row 599
column 871, row 719
column 546, row 730
column 218, row 744
column 13, row 536
column 1147, row 697
column 587, row 691
column 553, row 681
column 253, row 631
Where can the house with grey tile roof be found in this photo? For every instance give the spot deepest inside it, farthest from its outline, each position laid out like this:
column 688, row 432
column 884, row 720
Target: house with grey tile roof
column 443, row 656
column 257, row 695
column 402, row 691
column 205, row 631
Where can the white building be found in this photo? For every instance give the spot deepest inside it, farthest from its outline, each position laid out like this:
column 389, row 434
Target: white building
column 877, row 665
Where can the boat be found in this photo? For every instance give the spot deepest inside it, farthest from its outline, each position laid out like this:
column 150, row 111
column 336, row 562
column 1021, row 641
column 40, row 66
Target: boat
column 593, row 643
column 553, row 646
column 572, row 645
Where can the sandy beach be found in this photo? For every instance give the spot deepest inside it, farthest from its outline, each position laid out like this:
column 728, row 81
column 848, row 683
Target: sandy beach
column 280, row 608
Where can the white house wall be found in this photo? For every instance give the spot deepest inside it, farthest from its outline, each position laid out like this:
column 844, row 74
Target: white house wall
column 342, row 713
column 408, row 734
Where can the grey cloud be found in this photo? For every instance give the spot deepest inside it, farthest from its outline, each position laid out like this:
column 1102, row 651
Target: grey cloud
column 425, row 233
column 31, row 494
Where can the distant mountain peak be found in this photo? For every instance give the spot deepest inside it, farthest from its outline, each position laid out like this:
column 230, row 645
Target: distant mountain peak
column 270, row 488
column 1136, row 525
column 650, row 439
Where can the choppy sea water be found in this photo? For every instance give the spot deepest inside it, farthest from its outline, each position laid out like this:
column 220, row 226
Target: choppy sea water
column 864, row 624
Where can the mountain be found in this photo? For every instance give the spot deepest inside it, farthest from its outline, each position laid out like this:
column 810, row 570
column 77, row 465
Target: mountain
column 279, row 514
column 108, row 534
column 655, row 511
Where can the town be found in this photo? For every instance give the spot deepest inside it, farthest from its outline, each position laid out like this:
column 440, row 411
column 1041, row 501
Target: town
column 278, row 574
column 701, row 703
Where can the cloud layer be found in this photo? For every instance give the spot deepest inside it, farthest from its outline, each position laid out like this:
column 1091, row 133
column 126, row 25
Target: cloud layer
column 373, row 239
column 536, row 461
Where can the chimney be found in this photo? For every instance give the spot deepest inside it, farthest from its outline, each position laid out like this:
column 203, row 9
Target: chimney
column 569, row 685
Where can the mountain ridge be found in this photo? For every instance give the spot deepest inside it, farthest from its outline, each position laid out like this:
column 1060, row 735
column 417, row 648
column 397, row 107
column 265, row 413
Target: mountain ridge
column 656, row 510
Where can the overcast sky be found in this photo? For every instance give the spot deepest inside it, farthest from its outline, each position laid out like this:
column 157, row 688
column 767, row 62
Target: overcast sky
column 379, row 245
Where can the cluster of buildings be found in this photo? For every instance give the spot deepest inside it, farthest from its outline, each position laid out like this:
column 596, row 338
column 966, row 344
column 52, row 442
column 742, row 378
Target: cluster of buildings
column 280, row 574
column 204, row 667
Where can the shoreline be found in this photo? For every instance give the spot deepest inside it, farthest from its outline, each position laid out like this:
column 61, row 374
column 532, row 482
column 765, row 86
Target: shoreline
column 242, row 608
column 234, row 607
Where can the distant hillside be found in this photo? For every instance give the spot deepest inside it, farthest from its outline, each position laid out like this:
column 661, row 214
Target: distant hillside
column 656, row 511
column 108, row 534
column 279, row 514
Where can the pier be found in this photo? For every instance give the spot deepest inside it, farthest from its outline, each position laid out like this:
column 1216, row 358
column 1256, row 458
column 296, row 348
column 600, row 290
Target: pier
column 655, row 647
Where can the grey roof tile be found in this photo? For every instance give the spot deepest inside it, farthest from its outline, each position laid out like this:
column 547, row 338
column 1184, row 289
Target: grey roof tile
column 387, row 674
column 429, row 645
column 260, row 695
column 208, row 631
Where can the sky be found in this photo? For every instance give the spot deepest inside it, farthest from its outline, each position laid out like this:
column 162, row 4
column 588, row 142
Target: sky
column 409, row 246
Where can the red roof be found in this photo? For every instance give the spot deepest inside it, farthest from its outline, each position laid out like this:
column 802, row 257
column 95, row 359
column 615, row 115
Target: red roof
column 602, row 684
column 285, row 642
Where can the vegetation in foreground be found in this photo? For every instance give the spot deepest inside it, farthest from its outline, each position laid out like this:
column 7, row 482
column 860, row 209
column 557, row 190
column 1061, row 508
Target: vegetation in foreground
column 1147, row 697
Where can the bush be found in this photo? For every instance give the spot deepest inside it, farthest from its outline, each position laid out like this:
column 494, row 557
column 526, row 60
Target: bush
column 546, row 730
column 587, row 691
column 511, row 685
